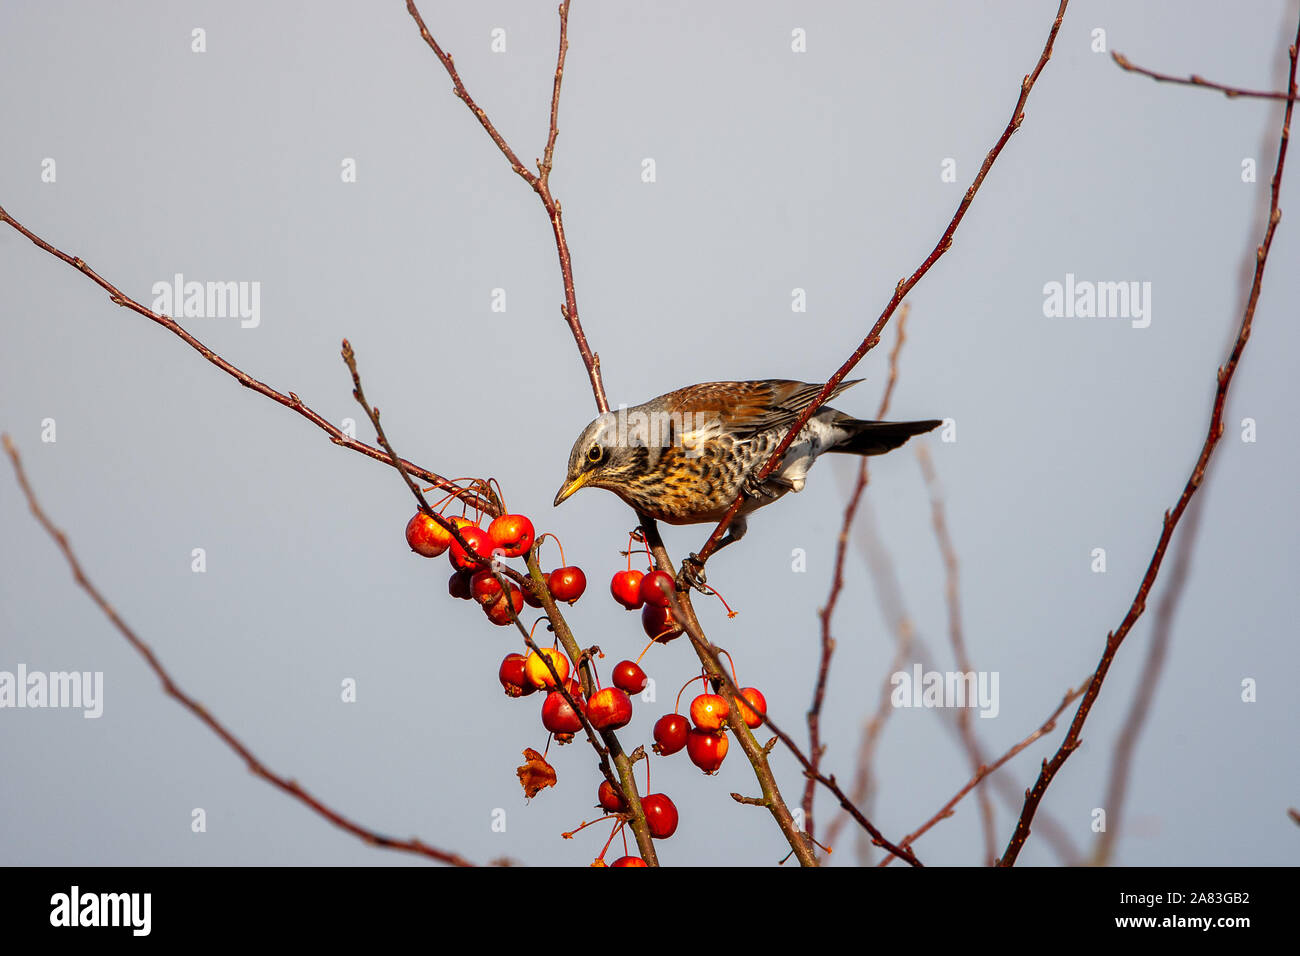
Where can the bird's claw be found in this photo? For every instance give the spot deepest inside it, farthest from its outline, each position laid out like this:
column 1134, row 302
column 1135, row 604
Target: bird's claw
column 691, row 574
column 753, row 488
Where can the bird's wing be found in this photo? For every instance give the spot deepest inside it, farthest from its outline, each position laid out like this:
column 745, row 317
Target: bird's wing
column 745, row 408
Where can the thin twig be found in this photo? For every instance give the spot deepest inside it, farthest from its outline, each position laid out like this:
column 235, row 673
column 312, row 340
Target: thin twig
column 539, row 181
column 1215, row 431
column 1145, row 691
column 952, row 591
column 1231, row 92
column 983, row 771
column 815, row 748
column 900, row 291
column 291, row 787
column 290, row 400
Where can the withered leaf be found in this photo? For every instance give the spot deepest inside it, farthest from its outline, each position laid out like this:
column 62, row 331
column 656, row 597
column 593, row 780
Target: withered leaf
column 536, row 774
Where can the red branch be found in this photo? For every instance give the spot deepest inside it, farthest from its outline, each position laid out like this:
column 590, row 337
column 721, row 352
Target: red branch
column 1231, row 92
column 1225, row 374
column 815, row 747
column 291, row 787
column 540, row 181
column 900, row 291
column 952, row 592
column 290, row 401
column 983, row 771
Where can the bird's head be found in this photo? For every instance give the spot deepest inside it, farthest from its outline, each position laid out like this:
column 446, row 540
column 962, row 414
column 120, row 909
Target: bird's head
column 602, row 457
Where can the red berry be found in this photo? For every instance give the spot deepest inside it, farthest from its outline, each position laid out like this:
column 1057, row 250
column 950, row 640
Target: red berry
column 609, row 709
column 484, row 587
column 652, row 588
column 558, row 717
column 478, row 540
column 530, row 598
column 629, row 676
column 567, row 584
column 626, row 588
column 659, row 624
column 458, row 585
column 426, row 536
column 708, row 711
column 757, row 706
column 513, row 677
column 513, row 534
column 670, row 734
column 629, row 861
column 609, row 799
column 537, row 670
column 706, row 750
column 660, row 815
column 498, row 611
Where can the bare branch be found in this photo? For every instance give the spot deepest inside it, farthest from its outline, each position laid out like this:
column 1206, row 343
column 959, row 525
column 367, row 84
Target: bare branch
column 291, row 787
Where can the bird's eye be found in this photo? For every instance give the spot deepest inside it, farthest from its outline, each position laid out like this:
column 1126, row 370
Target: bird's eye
column 594, row 454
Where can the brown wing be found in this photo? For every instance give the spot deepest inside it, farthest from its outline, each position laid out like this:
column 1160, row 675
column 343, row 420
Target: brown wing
column 745, row 408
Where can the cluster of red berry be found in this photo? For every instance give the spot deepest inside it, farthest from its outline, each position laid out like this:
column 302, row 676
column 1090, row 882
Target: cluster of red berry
column 477, row 575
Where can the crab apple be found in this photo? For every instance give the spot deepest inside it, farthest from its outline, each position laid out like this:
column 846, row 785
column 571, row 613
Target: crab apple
column 626, row 588
column 752, row 712
column 558, row 716
column 708, row 711
column 660, row 815
column 531, row 599
column 513, row 534
column 567, row 584
column 629, row 676
column 537, row 671
column 484, row 587
column 426, row 536
column 498, row 612
column 659, row 624
column 513, row 676
column 609, row 709
column 480, row 543
column 629, row 861
column 609, row 798
column 458, row 585
column 652, row 588
column 670, row 734
column 706, row 750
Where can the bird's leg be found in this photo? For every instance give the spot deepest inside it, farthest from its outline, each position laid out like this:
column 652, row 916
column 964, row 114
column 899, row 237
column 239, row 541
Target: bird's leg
column 691, row 573
column 754, row 488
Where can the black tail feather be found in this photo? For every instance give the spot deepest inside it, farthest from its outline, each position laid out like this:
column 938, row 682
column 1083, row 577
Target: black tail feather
column 876, row 438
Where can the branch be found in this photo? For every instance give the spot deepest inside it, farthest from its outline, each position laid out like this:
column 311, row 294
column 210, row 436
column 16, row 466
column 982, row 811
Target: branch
column 1225, row 374
column 900, row 291
column 983, row 771
column 962, row 659
column 1145, row 691
column 815, row 747
column 709, row 657
column 291, row 787
column 539, row 181
column 1231, row 92
column 290, row 401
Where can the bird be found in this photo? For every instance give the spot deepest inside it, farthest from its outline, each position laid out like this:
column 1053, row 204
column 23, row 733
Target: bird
column 684, row 457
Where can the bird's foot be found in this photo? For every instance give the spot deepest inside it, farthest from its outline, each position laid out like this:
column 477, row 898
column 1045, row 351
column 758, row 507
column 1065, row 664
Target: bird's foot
column 691, row 574
column 757, row 489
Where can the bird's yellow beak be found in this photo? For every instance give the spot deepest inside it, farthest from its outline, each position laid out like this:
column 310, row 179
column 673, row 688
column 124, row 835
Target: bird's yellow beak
column 571, row 487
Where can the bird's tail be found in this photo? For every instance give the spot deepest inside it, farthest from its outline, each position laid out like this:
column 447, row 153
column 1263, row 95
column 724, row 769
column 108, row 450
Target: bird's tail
column 876, row 438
